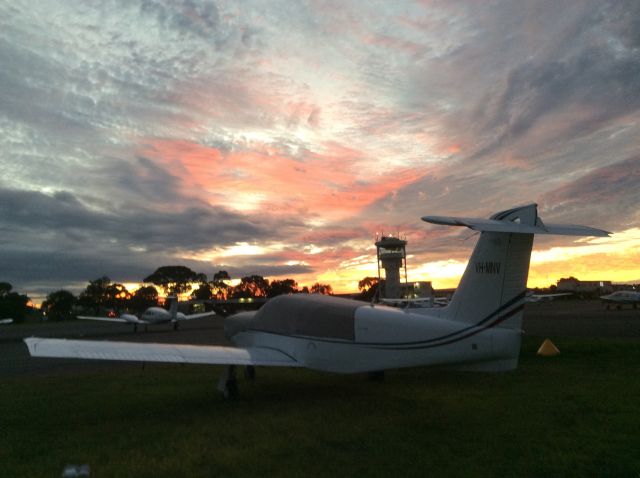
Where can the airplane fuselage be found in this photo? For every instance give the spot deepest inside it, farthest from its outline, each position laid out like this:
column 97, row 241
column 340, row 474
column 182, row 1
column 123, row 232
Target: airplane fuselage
column 385, row 337
column 158, row 315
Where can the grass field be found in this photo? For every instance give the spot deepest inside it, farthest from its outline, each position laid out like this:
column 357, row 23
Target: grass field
column 572, row 415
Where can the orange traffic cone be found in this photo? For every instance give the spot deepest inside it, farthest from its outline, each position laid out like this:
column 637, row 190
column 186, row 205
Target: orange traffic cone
column 548, row 349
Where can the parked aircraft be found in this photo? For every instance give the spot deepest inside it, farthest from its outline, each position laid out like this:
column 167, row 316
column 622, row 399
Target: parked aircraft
column 546, row 297
column 416, row 303
column 480, row 329
column 622, row 297
column 153, row 316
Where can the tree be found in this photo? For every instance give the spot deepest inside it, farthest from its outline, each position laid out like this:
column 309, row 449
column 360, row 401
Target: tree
column 220, row 290
column 58, row 305
column 175, row 279
column 221, row 276
column 144, row 297
column 203, row 292
column 5, row 289
column 95, row 294
column 117, row 296
column 281, row 287
column 251, row 286
column 12, row 305
column 324, row 289
column 368, row 288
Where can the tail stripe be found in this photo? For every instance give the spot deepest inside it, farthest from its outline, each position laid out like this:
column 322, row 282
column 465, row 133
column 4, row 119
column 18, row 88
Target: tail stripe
column 477, row 330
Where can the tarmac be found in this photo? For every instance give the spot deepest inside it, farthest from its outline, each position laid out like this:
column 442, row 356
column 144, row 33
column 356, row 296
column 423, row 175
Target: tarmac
column 560, row 318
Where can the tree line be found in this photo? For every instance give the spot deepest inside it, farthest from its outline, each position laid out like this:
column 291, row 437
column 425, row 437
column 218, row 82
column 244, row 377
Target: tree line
column 102, row 294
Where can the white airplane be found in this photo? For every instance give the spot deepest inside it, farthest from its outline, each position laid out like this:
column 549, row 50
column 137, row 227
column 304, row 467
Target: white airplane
column 622, row 297
column 416, row 303
column 480, row 329
column 545, row 297
column 153, row 316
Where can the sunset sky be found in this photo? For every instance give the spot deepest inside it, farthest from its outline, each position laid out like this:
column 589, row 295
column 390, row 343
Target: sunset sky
column 278, row 137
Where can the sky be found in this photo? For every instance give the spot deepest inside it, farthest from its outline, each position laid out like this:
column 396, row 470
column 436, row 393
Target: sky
column 278, row 137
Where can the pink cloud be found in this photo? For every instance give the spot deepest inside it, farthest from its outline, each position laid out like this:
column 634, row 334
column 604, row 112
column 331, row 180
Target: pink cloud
column 331, row 184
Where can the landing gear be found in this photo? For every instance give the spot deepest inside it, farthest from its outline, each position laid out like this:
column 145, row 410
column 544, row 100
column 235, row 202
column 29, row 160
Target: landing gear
column 250, row 372
column 227, row 384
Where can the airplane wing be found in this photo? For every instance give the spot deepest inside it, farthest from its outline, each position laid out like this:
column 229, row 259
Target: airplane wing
column 199, row 316
column 168, row 353
column 113, row 319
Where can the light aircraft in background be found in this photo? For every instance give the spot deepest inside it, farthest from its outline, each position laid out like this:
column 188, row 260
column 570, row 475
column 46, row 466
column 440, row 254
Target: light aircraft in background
column 153, row 316
column 6, row 321
column 546, row 297
column 416, row 303
column 622, row 297
column 480, row 328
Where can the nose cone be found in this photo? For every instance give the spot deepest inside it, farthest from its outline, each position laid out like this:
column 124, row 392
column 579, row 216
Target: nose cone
column 237, row 323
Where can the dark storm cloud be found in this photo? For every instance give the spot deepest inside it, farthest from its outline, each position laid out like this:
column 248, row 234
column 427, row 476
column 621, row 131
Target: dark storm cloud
column 64, row 215
column 50, row 269
column 57, row 237
column 608, row 87
column 612, row 192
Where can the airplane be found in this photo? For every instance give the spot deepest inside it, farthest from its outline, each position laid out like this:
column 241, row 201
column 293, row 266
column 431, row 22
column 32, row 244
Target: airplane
column 531, row 297
column 480, row 328
column 153, row 316
column 622, row 297
column 416, row 303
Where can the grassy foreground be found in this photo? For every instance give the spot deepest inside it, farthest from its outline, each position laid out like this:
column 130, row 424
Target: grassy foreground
column 572, row 415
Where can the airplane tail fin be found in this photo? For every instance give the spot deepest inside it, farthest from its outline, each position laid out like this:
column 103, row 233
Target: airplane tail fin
column 493, row 287
column 173, row 307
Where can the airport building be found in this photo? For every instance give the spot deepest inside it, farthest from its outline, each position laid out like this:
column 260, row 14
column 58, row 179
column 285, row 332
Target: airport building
column 578, row 286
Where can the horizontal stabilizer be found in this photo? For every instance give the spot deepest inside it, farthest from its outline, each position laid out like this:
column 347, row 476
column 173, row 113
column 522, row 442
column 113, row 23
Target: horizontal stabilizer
column 511, row 226
column 167, row 353
column 201, row 315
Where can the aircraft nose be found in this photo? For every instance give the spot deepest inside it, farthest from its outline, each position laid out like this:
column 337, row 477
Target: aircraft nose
column 238, row 323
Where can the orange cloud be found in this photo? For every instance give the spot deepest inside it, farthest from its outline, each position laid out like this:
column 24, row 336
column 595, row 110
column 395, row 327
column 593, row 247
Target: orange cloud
column 333, row 184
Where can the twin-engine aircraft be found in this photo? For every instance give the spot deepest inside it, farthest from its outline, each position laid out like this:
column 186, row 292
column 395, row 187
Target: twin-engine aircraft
column 622, row 297
column 480, row 329
column 153, row 316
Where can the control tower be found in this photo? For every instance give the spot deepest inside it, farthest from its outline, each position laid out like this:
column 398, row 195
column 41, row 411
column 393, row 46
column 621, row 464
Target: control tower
column 391, row 257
